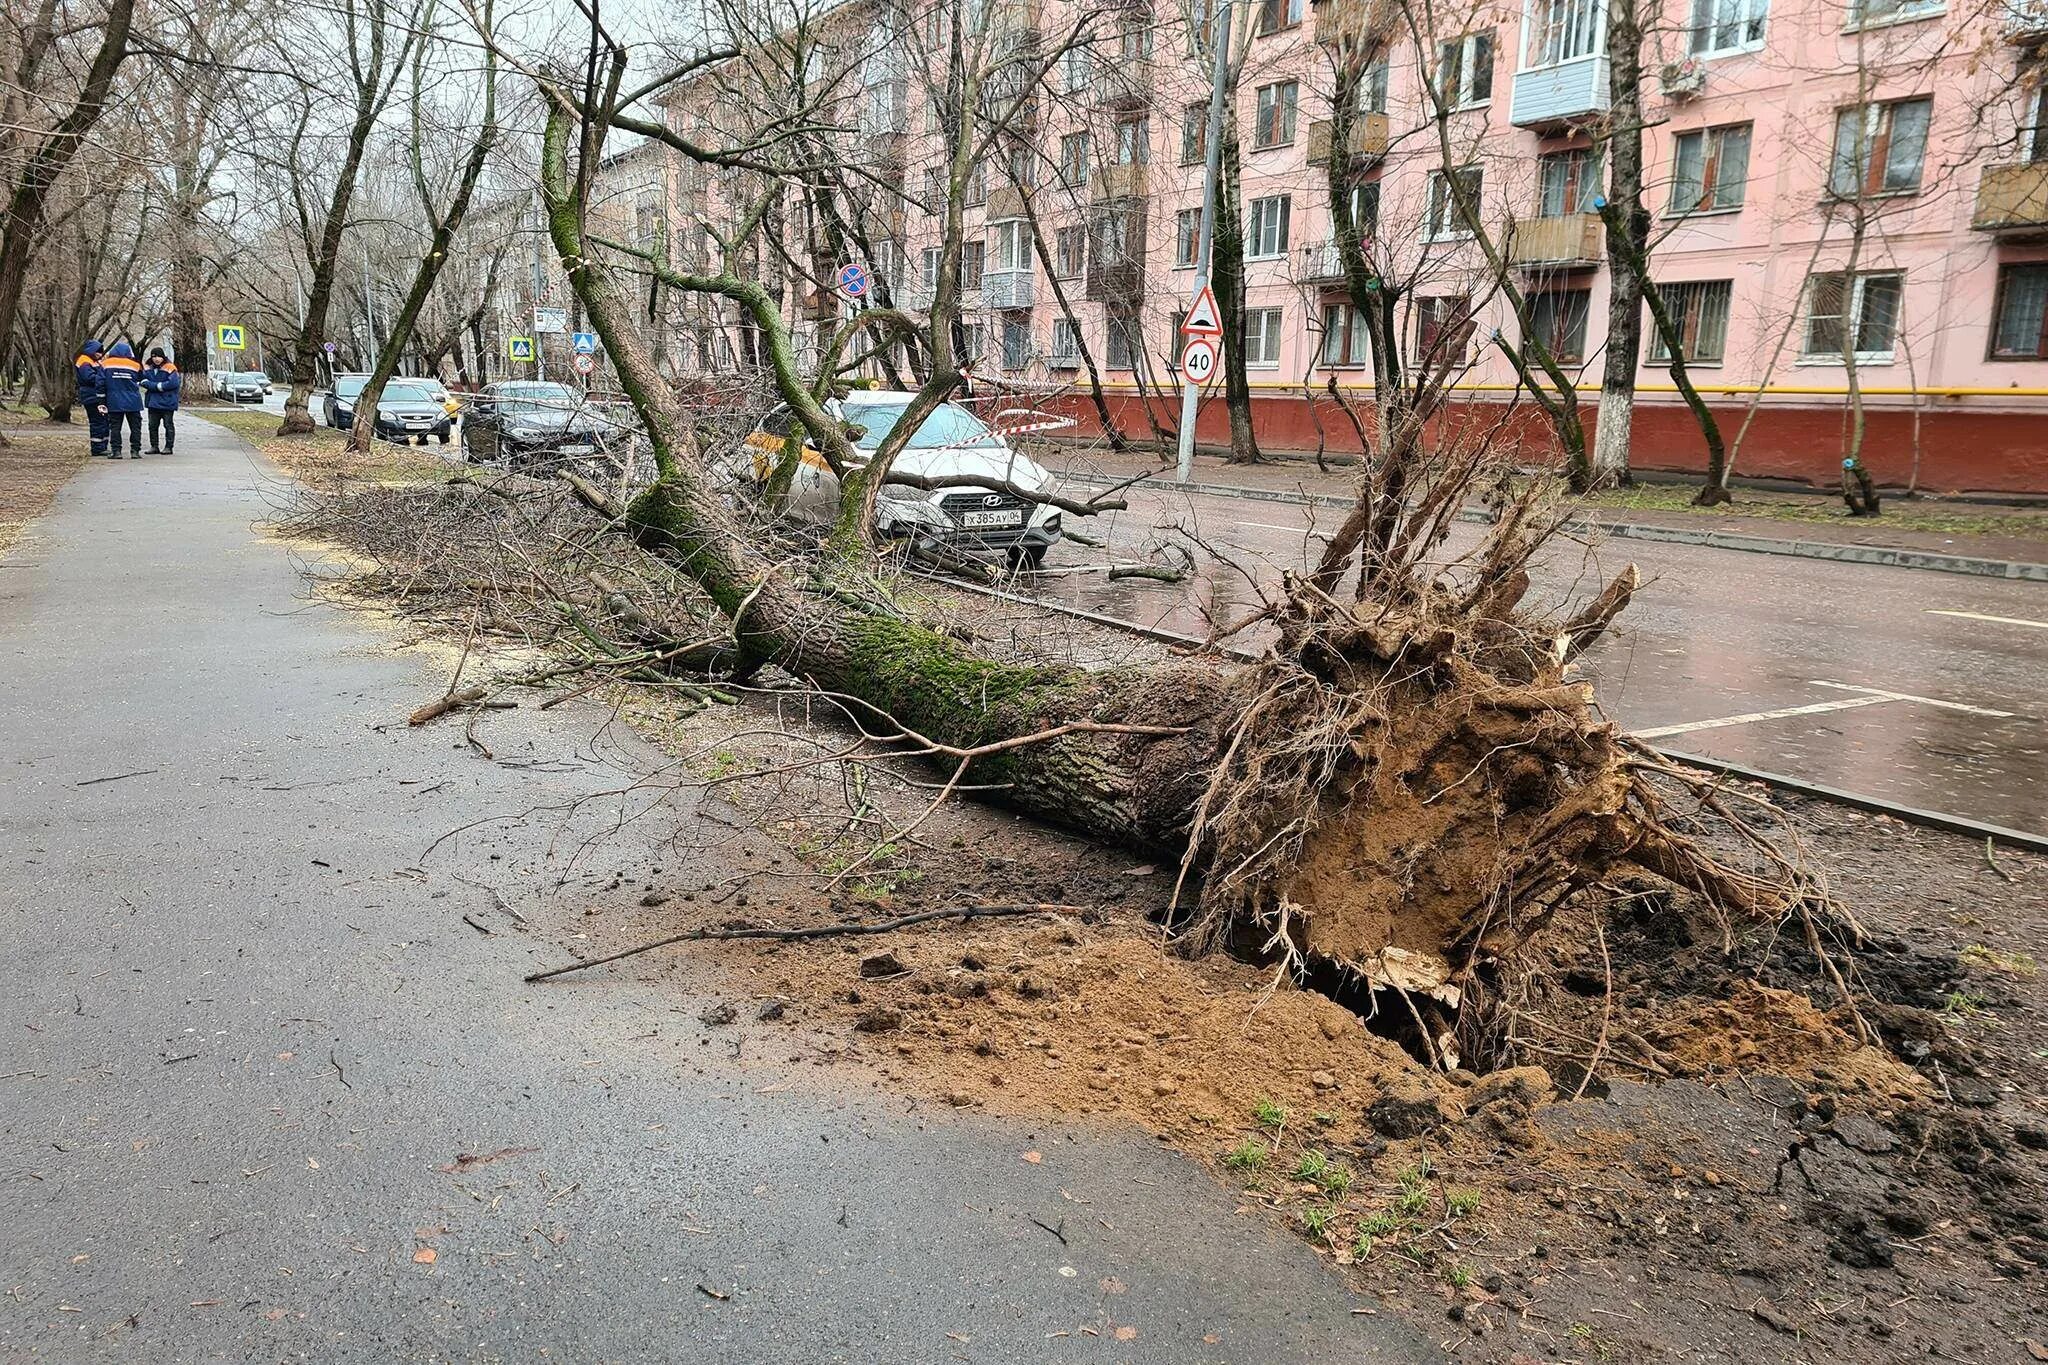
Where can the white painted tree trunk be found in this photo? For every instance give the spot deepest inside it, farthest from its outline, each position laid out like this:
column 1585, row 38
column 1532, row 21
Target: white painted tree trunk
column 1612, row 435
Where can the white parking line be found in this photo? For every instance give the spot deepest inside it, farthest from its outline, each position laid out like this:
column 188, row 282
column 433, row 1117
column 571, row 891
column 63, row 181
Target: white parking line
column 1813, row 708
column 1908, row 696
column 1979, row 616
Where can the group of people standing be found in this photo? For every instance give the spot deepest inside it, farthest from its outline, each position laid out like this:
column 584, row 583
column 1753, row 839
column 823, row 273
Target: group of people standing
column 115, row 389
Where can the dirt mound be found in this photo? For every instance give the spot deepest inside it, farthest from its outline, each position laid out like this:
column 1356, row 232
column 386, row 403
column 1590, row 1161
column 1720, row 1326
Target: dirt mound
column 1759, row 1028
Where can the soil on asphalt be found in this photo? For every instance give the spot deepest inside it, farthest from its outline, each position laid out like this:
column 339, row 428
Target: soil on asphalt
column 33, row 465
column 1750, row 1170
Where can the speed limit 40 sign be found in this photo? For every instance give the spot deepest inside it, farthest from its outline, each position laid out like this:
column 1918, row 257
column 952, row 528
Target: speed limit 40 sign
column 1198, row 359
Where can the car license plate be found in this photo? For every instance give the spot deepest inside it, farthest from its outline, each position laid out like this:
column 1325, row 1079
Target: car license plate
column 576, row 450
column 991, row 520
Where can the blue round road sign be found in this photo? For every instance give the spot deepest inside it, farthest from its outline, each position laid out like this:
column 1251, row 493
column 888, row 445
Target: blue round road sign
column 853, row 280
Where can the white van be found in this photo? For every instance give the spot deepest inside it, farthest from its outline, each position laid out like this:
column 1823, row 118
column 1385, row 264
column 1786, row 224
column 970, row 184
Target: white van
column 983, row 522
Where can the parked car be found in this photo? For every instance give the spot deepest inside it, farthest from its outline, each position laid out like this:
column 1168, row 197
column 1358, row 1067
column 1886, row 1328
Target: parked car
column 338, row 403
column 523, row 421
column 241, row 386
column 999, row 519
column 409, row 410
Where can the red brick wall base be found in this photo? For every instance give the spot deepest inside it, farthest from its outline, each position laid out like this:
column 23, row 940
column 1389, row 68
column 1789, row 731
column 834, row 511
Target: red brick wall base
column 1961, row 449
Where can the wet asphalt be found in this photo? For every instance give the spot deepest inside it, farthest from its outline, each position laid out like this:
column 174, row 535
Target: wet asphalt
column 1714, row 636
column 251, row 1027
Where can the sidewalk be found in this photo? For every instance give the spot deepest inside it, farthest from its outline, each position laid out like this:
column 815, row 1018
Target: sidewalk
column 260, row 1042
column 1998, row 554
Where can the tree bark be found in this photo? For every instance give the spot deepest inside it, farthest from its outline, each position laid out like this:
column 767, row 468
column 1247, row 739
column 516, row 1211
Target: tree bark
column 1628, row 241
column 1226, row 277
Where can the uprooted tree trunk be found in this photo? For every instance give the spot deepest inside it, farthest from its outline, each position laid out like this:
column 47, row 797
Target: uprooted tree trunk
column 1411, row 778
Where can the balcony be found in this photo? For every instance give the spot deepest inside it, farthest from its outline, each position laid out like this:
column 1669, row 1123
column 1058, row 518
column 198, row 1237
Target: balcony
column 1365, row 140
column 1125, row 86
column 1350, row 24
column 1119, row 284
column 1570, row 241
column 1008, row 288
column 1006, row 201
column 1120, row 182
column 1322, row 263
column 1551, row 97
column 2012, row 199
column 2025, row 21
column 887, row 154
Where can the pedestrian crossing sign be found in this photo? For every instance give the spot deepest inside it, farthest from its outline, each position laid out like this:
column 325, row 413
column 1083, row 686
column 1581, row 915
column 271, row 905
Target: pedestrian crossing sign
column 229, row 337
column 519, row 348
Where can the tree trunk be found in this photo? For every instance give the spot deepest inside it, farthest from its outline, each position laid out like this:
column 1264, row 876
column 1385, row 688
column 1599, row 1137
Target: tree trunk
column 1226, row 277
column 1615, row 429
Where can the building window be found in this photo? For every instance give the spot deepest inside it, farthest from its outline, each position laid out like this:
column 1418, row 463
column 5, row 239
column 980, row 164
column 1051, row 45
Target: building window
column 1370, row 95
column 1464, row 71
column 1077, row 68
column 1070, row 251
column 973, row 341
column 1365, row 209
column 1074, row 160
column 1699, row 314
column 1187, row 236
column 1345, row 339
column 1445, row 222
column 1567, row 182
column 928, row 275
column 1859, row 312
column 1009, row 245
column 1563, row 31
column 1023, row 163
column 1016, row 342
column 886, row 264
column 1126, row 342
column 2034, row 132
column 1275, row 15
column 1265, row 230
column 1275, row 127
column 1863, row 13
column 1443, row 329
column 1134, row 42
column 934, row 188
column 1720, row 26
column 973, row 258
column 1194, row 134
column 1133, row 141
column 1557, row 319
column 977, row 183
column 1879, row 148
column 1112, row 240
column 1262, row 336
column 2021, row 329
column 1066, row 344
column 1710, row 170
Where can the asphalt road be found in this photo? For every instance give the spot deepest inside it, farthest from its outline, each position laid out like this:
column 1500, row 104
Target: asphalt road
column 251, row 1027
column 1926, row 689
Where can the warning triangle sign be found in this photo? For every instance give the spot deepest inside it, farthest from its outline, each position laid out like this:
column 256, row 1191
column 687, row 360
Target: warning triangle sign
column 1203, row 319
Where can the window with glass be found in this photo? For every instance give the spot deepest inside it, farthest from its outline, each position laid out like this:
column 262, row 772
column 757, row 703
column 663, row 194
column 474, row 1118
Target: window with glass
column 1443, row 329
column 1266, row 226
column 1557, row 322
column 973, row 342
column 1275, row 123
column 1345, row 338
column 1370, row 94
column 1710, row 169
column 1275, row 15
column 2034, row 132
column 928, row 272
column 1560, row 31
column 1187, row 236
column 1194, row 134
column 886, row 264
column 1066, row 344
column 1262, row 336
column 1016, row 342
column 1126, row 342
column 1070, row 251
column 2020, row 327
column 1364, row 202
column 1023, row 164
column 1862, row 12
column 934, row 187
column 1445, row 221
column 1567, row 182
column 1464, row 70
column 1077, row 68
column 977, row 183
column 1699, row 314
column 1858, row 313
column 1009, row 245
column 1134, row 42
column 1074, row 160
column 1133, row 141
column 1112, row 240
column 1726, row 26
column 973, row 260
column 1880, row 148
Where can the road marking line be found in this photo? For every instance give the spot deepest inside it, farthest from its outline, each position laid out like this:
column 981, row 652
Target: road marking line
column 1979, row 616
column 1811, row 709
column 1269, row 526
column 1908, row 696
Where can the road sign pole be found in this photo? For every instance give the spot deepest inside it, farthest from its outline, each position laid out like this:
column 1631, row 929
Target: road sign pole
column 1190, row 394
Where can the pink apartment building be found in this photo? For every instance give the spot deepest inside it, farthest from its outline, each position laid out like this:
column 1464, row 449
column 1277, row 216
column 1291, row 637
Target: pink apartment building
column 1775, row 125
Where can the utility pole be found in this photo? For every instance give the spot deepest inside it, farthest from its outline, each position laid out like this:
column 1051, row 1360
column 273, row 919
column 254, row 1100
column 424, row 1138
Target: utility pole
column 1212, row 160
column 539, row 283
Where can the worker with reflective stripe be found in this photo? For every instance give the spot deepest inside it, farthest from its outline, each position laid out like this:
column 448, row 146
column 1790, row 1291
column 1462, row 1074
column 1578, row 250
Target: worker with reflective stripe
column 92, row 394
column 123, row 388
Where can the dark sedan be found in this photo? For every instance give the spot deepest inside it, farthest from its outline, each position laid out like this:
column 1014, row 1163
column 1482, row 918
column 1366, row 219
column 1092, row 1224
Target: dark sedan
column 524, row 421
